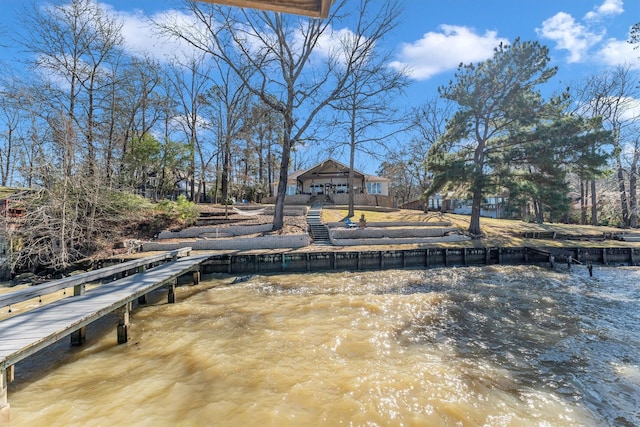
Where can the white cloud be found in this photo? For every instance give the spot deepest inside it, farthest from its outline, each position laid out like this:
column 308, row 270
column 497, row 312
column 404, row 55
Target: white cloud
column 141, row 38
column 608, row 8
column 437, row 52
column 631, row 109
column 569, row 35
column 331, row 43
column 618, row 52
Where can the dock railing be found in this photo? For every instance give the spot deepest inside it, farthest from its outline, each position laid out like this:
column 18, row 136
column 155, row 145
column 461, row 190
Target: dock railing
column 78, row 281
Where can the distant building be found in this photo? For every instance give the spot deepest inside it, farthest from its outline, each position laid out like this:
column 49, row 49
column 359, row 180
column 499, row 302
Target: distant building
column 492, row 207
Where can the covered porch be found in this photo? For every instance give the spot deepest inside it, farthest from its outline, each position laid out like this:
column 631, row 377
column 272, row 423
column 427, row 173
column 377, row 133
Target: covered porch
column 327, row 178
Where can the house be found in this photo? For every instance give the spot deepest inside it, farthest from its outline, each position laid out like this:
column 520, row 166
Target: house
column 328, row 181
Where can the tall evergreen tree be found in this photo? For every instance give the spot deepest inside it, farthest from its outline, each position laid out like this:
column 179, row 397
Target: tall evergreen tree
column 533, row 167
column 494, row 98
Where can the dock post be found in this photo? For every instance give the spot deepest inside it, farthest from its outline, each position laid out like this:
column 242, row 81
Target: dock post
column 78, row 290
column 196, row 277
column 4, row 400
column 123, row 324
column 172, row 291
column 79, row 337
column 142, row 299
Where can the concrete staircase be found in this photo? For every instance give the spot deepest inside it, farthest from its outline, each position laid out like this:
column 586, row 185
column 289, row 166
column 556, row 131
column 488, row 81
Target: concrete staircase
column 319, row 231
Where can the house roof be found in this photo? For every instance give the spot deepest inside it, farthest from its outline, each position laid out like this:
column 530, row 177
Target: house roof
column 331, row 168
column 313, row 8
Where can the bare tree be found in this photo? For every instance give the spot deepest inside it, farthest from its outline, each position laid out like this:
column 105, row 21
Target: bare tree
column 273, row 56
column 72, row 43
column 610, row 95
column 261, row 132
column 142, row 103
column 10, row 117
column 191, row 78
column 368, row 119
column 633, row 183
column 429, row 121
column 228, row 103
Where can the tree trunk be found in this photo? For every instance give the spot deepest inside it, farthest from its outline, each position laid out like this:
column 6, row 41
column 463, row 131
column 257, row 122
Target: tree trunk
column 474, row 223
column 192, row 172
column 594, row 204
column 624, row 207
column 351, row 178
column 278, row 216
column 226, row 167
column 269, row 171
column 583, row 203
column 537, row 209
column 477, row 186
column 633, row 201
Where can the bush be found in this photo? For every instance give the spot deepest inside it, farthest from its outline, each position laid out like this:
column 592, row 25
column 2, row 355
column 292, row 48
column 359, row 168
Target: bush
column 186, row 211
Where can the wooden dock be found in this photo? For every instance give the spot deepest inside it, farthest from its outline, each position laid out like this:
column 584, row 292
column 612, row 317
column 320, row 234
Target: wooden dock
column 26, row 333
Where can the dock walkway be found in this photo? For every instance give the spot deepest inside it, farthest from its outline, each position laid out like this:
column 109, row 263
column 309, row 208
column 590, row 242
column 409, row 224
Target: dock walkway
column 26, row 333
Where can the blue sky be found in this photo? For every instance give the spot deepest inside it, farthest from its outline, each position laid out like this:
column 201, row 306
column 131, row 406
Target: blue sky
column 435, row 36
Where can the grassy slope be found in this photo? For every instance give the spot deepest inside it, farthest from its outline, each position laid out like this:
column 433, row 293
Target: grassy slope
column 497, row 232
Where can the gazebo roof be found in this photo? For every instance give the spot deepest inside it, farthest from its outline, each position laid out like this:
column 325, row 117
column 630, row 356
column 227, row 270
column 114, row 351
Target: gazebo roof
column 313, row 8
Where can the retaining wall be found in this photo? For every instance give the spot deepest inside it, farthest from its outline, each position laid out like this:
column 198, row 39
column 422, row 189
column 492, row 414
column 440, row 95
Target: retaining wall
column 381, row 241
column 340, row 224
column 410, row 258
column 263, row 242
column 379, row 233
column 234, row 230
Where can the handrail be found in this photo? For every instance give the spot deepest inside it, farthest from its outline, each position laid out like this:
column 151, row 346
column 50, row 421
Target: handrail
column 88, row 277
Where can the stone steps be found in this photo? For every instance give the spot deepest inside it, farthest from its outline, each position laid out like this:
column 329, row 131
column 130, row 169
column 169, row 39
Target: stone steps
column 319, row 231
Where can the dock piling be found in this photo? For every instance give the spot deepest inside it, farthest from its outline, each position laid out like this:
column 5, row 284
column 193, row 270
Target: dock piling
column 196, row 277
column 79, row 337
column 172, row 292
column 123, row 324
column 4, row 400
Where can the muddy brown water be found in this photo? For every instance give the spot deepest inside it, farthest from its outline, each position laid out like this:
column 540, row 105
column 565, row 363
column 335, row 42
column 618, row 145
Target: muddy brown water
column 494, row 346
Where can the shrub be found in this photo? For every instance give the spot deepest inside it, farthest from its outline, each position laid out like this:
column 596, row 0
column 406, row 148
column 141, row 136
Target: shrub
column 186, row 211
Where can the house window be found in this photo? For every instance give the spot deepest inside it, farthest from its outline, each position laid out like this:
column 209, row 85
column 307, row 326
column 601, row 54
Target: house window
column 374, row 188
column 291, row 190
column 317, row 188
